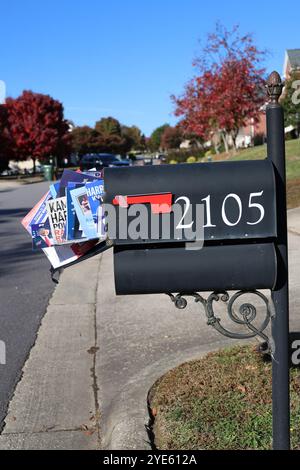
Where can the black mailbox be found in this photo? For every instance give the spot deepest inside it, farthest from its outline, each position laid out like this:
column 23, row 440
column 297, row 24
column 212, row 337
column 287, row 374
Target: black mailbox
column 239, row 227
column 175, row 269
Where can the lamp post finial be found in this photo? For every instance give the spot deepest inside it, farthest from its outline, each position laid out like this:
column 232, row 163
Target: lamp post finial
column 274, row 87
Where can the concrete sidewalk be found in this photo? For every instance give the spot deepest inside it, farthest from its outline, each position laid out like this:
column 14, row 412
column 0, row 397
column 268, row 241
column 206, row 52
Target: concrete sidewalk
column 10, row 184
column 55, row 405
column 294, row 221
column 96, row 351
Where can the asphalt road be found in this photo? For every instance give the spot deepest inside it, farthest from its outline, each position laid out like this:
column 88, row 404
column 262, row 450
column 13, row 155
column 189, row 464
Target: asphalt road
column 25, row 286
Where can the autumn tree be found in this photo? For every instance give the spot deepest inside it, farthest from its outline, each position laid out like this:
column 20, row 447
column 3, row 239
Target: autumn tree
column 133, row 136
column 171, row 138
column 107, row 136
column 6, row 146
column 84, row 140
column 227, row 90
column 37, row 126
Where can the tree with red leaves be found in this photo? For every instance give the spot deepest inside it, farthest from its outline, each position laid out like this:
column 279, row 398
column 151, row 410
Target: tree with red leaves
column 37, row 127
column 171, row 138
column 84, row 140
column 227, row 91
column 6, row 147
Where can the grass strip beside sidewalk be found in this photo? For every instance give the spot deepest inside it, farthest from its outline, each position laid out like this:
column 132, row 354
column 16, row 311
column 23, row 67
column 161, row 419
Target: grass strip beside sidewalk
column 222, row 401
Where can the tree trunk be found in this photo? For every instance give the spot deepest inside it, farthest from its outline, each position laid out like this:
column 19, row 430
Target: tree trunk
column 234, row 135
column 225, row 142
column 216, row 147
column 34, row 165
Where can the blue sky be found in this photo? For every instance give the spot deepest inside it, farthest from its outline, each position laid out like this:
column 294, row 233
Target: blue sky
column 125, row 58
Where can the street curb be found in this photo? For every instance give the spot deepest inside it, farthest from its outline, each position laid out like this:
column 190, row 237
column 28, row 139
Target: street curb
column 125, row 423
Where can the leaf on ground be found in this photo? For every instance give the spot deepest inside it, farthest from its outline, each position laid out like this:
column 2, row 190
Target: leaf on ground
column 93, row 350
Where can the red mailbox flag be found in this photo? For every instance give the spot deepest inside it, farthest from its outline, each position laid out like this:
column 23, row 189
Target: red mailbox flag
column 160, row 203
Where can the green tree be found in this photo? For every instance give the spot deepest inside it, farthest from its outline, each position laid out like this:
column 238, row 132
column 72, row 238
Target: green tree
column 143, row 144
column 155, row 138
column 133, row 135
column 291, row 101
column 108, row 127
column 110, row 138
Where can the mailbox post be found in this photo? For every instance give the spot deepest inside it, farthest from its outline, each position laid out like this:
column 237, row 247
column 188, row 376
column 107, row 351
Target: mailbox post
column 280, row 321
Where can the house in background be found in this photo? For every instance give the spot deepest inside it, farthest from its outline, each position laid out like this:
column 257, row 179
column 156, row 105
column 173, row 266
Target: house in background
column 253, row 134
column 291, row 66
column 291, row 62
column 24, row 166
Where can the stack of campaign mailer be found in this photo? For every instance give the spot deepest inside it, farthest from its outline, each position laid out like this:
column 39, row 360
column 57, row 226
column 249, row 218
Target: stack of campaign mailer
column 68, row 221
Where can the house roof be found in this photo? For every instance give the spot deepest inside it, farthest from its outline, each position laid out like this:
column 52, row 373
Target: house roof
column 294, row 58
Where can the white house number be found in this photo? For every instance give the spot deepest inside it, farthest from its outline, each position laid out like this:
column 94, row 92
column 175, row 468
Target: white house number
column 252, row 204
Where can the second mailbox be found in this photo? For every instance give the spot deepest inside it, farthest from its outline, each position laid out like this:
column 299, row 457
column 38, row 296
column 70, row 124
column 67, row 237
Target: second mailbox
column 233, row 202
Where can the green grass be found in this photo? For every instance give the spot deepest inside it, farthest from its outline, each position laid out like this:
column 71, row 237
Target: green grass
column 222, row 401
column 259, row 152
column 292, row 166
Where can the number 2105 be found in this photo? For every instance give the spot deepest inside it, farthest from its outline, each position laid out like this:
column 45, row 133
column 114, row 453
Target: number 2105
column 252, row 204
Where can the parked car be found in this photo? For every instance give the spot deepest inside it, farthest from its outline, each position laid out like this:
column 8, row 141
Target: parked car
column 98, row 161
column 29, row 171
column 143, row 159
column 162, row 157
column 122, row 161
column 10, row 172
column 148, row 161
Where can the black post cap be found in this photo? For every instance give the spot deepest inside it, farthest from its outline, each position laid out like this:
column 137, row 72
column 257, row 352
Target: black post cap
column 274, row 87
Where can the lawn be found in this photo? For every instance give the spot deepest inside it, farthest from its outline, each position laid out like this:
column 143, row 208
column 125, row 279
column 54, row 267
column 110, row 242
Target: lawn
column 292, row 166
column 222, row 401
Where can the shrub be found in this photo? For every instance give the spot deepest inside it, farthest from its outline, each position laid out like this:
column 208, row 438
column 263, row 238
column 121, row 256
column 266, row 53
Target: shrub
column 191, row 159
column 259, row 139
column 181, row 156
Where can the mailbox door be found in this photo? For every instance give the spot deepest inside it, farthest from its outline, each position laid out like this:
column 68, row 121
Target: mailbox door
column 174, row 269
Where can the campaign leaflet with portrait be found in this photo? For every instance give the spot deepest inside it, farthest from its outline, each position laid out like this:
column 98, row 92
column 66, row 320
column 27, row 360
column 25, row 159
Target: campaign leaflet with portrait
column 74, row 230
column 95, row 192
column 41, row 235
column 57, row 212
column 83, row 212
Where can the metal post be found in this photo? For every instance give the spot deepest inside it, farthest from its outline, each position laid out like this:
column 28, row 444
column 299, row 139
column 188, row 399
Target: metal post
column 280, row 322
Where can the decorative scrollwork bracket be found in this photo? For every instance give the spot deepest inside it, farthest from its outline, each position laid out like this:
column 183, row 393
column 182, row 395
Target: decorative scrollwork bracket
column 245, row 315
